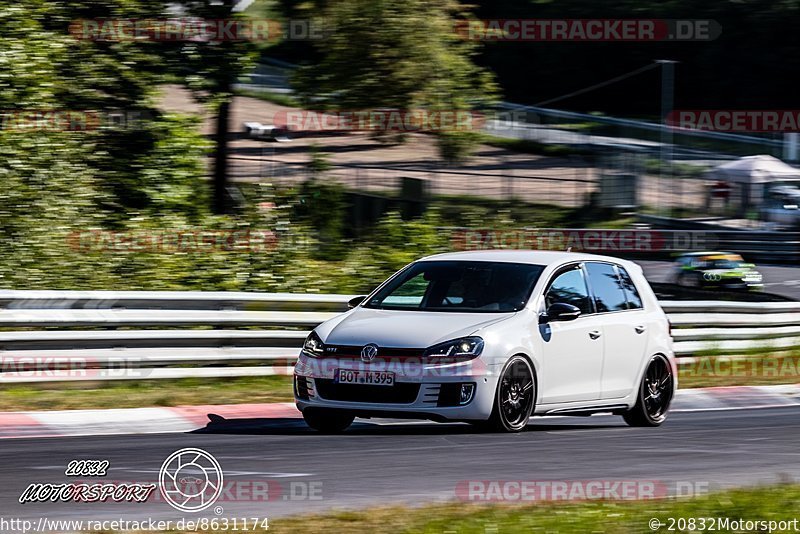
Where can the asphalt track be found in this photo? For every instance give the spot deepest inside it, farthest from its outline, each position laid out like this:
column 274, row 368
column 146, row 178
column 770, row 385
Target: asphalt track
column 781, row 280
column 379, row 463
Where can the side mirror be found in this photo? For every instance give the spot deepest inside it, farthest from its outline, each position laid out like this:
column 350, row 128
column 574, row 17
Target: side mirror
column 355, row 301
column 560, row 311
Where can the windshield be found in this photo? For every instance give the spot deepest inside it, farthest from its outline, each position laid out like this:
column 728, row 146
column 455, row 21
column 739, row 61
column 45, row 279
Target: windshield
column 724, row 264
column 459, row 286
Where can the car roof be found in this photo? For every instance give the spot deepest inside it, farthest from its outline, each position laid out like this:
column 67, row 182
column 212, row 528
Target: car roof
column 536, row 257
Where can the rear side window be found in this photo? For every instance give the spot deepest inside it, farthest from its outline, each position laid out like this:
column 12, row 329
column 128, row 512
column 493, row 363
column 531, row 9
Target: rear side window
column 607, row 287
column 631, row 294
column 569, row 288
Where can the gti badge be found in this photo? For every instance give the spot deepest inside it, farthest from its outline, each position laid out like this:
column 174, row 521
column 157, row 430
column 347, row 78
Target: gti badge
column 369, row 352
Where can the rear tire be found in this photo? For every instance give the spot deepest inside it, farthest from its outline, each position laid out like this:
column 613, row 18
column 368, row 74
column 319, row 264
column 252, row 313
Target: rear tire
column 327, row 421
column 655, row 394
column 514, row 397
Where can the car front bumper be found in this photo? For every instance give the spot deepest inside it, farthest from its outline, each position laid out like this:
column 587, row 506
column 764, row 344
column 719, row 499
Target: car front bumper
column 421, row 390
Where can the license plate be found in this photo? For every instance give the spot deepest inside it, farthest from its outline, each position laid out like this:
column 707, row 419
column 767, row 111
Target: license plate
column 369, row 378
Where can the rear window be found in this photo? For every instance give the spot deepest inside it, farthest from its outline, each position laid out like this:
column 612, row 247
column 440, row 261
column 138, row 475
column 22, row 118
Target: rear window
column 609, row 294
column 613, row 288
column 631, row 293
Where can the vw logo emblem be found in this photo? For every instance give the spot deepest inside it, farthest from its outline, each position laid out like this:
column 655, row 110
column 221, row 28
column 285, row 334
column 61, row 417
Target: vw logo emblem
column 369, row 352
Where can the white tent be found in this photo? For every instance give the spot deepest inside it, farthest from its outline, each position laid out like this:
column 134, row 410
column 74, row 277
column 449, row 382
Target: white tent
column 750, row 178
column 755, row 170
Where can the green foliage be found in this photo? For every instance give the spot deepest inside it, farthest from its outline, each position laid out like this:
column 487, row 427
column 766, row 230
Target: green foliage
column 322, row 206
column 398, row 55
column 455, row 146
column 210, row 68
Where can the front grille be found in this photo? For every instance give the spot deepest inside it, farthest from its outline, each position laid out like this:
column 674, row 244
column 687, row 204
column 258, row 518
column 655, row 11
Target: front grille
column 354, row 351
column 399, row 393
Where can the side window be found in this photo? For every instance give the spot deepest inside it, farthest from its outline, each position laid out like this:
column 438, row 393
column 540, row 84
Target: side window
column 570, row 288
column 607, row 287
column 634, row 300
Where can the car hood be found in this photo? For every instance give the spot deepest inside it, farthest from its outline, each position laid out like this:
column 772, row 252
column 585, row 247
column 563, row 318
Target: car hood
column 403, row 329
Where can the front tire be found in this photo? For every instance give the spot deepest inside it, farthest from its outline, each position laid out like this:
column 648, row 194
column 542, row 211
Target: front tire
column 514, row 397
column 655, row 394
column 327, row 421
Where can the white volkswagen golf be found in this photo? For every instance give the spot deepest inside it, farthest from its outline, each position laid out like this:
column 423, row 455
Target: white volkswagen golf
column 491, row 338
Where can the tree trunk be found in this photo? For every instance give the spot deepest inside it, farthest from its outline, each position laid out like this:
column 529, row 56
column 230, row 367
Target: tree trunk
column 221, row 199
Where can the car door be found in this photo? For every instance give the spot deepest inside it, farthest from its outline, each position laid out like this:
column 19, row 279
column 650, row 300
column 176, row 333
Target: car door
column 625, row 326
column 572, row 351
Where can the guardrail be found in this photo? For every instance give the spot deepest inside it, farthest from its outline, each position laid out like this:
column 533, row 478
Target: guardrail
column 111, row 335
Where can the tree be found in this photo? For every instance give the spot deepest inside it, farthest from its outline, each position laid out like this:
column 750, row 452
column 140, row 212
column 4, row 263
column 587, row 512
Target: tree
column 400, row 55
column 210, row 69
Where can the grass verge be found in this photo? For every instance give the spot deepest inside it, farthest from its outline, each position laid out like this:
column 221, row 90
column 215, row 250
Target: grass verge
column 746, row 370
column 142, row 393
column 773, row 503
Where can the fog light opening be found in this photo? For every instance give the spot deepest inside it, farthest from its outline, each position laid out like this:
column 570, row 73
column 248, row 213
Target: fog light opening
column 467, row 391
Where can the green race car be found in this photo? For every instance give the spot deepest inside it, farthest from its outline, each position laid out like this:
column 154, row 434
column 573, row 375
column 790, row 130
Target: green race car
column 717, row 269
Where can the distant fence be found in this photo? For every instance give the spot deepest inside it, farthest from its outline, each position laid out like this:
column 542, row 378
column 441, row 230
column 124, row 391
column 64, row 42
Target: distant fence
column 101, row 335
column 546, row 125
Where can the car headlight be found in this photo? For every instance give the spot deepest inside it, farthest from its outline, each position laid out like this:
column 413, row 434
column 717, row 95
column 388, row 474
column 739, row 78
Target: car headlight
column 465, row 347
column 313, row 346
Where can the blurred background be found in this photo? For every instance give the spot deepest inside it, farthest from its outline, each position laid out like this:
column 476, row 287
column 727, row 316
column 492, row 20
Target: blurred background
column 314, row 147
column 149, row 144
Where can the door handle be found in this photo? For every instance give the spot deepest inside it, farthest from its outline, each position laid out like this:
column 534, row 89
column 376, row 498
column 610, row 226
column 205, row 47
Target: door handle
column 594, row 334
column 640, row 329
